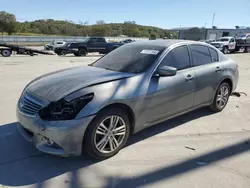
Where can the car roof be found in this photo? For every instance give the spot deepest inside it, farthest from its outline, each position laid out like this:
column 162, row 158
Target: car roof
column 166, row 43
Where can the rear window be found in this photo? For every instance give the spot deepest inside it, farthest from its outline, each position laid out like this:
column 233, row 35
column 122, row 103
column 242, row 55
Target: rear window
column 214, row 55
column 131, row 58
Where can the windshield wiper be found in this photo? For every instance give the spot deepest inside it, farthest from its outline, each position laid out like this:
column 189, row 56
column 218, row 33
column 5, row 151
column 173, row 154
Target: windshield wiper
column 109, row 69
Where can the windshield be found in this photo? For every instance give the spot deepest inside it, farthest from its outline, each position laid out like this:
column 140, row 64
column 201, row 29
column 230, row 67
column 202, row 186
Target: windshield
column 223, row 39
column 241, row 36
column 130, row 58
column 86, row 40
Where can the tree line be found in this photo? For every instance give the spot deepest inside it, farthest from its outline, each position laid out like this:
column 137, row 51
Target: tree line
column 8, row 24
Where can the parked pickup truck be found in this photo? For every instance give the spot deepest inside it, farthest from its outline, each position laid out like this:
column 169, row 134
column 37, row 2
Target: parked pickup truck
column 92, row 44
column 232, row 44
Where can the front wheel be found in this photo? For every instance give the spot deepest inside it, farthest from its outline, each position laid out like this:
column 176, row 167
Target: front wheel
column 63, row 53
column 247, row 50
column 82, row 52
column 225, row 50
column 107, row 133
column 221, row 98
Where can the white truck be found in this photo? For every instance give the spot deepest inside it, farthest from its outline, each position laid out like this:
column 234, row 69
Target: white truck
column 232, row 44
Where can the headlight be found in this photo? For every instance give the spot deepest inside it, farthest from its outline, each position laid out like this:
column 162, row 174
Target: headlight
column 63, row 110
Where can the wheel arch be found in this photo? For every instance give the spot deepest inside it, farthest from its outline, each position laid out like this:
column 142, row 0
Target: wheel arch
column 127, row 109
column 226, row 80
column 83, row 47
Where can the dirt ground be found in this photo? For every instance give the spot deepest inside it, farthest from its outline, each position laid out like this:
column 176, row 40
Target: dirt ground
column 196, row 150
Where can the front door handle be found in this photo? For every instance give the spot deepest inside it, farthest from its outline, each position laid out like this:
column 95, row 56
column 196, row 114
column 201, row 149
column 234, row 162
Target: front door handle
column 218, row 69
column 189, row 77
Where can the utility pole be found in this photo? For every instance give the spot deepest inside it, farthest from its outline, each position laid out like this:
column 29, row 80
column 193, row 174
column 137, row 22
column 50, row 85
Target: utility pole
column 213, row 20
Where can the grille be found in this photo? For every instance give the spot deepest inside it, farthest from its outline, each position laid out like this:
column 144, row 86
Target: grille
column 29, row 106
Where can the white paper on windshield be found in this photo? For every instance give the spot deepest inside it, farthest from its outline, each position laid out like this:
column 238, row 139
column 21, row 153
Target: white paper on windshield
column 150, row 52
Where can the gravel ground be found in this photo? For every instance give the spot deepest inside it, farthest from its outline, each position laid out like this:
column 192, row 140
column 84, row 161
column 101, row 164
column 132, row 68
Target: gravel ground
column 195, row 150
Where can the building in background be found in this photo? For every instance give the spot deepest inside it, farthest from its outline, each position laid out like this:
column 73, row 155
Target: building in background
column 195, row 33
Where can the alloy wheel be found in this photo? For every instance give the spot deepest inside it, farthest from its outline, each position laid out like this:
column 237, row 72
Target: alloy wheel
column 222, row 97
column 110, row 134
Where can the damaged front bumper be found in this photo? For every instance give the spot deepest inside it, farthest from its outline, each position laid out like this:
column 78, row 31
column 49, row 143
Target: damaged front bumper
column 62, row 138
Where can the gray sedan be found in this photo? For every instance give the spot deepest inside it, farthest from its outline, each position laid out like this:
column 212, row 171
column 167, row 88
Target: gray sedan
column 95, row 108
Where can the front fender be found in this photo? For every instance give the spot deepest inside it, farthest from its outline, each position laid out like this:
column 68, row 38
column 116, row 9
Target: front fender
column 118, row 91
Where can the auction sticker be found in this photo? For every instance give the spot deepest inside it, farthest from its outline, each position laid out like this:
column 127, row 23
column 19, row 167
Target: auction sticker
column 150, row 52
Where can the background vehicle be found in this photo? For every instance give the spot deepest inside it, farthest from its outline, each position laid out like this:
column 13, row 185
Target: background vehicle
column 127, row 41
column 6, row 50
column 96, row 44
column 54, row 44
column 232, row 44
column 68, row 48
column 95, row 108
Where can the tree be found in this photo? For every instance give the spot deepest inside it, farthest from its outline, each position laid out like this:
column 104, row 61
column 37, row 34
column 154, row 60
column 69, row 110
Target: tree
column 237, row 27
column 100, row 22
column 7, row 22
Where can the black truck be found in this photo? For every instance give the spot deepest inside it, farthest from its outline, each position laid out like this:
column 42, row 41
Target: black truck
column 92, row 44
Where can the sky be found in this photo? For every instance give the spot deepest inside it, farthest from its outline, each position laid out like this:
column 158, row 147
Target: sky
column 160, row 13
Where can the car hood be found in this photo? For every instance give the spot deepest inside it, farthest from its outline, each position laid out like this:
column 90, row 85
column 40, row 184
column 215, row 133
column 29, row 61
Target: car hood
column 218, row 42
column 56, row 85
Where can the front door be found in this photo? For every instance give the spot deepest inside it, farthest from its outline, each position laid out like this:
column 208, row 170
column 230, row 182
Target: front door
column 232, row 44
column 171, row 95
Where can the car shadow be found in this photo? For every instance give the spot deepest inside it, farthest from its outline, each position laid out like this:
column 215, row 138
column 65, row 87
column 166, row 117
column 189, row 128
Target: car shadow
column 22, row 164
column 90, row 55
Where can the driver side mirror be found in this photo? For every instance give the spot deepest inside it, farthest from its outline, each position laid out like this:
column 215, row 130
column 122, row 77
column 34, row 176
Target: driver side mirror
column 165, row 71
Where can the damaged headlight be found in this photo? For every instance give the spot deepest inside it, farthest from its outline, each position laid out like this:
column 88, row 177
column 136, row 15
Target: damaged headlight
column 64, row 110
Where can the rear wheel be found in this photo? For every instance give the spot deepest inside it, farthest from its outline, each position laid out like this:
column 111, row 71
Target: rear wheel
column 221, row 97
column 107, row 133
column 6, row 53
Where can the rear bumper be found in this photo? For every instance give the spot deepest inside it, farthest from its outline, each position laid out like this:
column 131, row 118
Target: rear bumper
column 62, row 138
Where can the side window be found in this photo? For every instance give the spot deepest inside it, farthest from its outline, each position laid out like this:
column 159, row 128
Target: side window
column 101, row 40
column 200, row 55
column 178, row 58
column 248, row 37
column 92, row 40
column 232, row 40
column 214, row 55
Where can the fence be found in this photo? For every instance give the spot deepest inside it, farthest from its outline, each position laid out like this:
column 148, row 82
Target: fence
column 47, row 39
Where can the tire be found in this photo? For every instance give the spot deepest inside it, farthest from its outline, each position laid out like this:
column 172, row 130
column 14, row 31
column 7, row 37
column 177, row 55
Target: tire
column 6, row 53
column 247, row 50
column 92, row 138
column 82, row 52
column 215, row 107
column 63, row 53
column 225, row 50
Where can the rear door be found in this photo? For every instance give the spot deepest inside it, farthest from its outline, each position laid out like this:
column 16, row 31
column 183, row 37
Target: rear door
column 170, row 95
column 208, row 72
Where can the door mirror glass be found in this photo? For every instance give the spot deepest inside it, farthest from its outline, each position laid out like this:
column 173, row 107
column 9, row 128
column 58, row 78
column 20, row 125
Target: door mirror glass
column 165, row 71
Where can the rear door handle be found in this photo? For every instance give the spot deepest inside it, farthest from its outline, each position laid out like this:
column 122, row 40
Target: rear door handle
column 189, row 77
column 218, row 69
